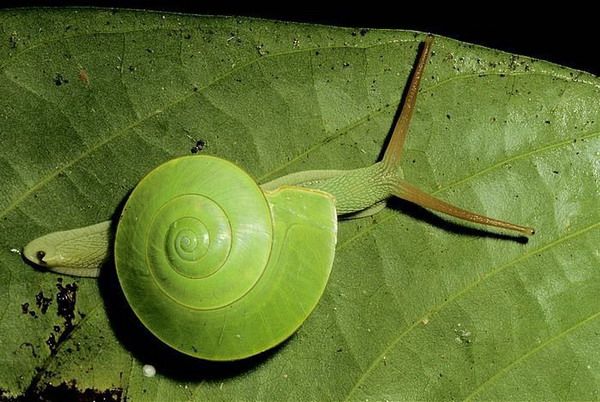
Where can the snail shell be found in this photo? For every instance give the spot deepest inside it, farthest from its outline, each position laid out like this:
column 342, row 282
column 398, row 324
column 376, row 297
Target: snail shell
column 215, row 267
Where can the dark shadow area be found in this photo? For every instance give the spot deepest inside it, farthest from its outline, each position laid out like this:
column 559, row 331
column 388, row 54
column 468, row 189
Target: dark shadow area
column 33, row 266
column 148, row 349
column 431, row 218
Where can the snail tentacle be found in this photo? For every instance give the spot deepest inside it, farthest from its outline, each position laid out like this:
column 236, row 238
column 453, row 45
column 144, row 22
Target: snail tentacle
column 361, row 192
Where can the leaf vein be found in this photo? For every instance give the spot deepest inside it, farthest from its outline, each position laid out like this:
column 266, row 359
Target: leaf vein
column 532, row 352
column 346, row 130
column 516, row 157
column 136, row 123
column 461, row 293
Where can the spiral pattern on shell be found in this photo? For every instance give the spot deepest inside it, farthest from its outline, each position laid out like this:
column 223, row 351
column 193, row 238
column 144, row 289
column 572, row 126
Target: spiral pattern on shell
column 203, row 260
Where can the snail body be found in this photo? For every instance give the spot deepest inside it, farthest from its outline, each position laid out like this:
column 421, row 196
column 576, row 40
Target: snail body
column 222, row 268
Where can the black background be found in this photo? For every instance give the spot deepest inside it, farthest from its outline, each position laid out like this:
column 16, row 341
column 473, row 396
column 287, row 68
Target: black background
column 564, row 33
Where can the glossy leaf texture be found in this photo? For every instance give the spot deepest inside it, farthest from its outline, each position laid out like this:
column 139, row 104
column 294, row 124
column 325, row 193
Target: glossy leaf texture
column 417, row 306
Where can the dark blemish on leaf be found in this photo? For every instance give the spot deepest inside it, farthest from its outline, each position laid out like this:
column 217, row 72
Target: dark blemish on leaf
column 187, row 36
column 59, row 80
column 346, row 64
column 364, row 31
column 132, row 69
column 353, row 33
column 200, row 145
column 149, row 50
column 25, row 308
column 52, row 344
column 448, row 116
column 555, row 171
column 66, row 299
column 547, row 121
column 33, row 314
column 42, row 302
column 69, row 392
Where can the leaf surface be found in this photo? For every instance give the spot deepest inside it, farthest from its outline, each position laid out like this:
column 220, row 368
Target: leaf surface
column 418, row 306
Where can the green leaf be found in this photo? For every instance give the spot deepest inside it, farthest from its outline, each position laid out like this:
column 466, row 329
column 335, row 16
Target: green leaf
column 417, row 307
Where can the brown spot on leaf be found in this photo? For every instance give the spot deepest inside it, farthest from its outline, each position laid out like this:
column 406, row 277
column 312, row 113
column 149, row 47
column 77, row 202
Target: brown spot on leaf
column 84, row 77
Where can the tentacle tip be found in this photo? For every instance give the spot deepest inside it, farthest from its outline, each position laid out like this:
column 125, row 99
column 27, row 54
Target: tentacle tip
column 527, row 231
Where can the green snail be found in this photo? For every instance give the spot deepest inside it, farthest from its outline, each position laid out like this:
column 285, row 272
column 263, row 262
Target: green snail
column 222, row 268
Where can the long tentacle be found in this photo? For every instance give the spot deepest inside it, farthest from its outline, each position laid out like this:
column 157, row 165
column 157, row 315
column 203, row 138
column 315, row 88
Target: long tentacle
column 393, row 153
column 411, row 193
